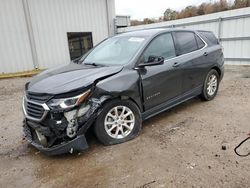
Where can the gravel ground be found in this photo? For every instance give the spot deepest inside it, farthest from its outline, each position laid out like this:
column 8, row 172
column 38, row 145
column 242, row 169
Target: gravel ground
column 181, row 147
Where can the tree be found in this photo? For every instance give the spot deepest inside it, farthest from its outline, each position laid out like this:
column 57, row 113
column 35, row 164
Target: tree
column 148, row 21
column 170, row 14
column 209, row 8
column 136, row 22
column 200, row 10
column 190, row 11
column 241, row 3
column 224, row 5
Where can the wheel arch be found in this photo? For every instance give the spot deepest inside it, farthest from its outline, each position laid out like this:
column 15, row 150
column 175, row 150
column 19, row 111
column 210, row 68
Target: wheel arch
column 124, row 85
column 217, row 69
column 123, row 97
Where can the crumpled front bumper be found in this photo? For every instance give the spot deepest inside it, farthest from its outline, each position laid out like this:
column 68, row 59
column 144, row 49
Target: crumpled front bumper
column 68, row 145
column 78, row 144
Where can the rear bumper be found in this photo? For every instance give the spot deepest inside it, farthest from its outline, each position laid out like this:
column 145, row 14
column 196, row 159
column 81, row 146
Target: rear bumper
column 78, row 144
column 222, row 72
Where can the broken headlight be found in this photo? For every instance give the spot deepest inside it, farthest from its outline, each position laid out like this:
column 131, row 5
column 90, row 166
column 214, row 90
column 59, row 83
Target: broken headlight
column 66, row 103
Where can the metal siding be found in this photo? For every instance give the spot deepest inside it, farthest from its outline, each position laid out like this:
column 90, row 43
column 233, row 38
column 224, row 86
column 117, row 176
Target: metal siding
column 230, row 28
column 15, row 53
column 236, row 28
column 111, row 9
column 122, row 21
column 236, row 49
column 52, row 19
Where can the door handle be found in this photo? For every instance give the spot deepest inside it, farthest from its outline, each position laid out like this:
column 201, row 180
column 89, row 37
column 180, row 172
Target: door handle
column 205, row 54
column 176, row 64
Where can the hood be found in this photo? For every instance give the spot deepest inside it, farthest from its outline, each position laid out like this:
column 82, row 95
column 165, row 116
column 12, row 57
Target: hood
column 68, row 78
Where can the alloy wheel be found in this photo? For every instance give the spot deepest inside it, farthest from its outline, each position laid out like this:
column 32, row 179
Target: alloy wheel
column 119, row 122
column 212, row 85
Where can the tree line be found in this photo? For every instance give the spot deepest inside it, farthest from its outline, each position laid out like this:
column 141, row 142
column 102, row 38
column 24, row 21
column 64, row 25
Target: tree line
column 190, row 11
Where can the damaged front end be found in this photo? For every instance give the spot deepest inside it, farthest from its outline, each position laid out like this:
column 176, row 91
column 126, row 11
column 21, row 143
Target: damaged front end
column 57, row 124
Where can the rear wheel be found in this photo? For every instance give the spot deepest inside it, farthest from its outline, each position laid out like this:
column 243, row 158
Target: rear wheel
column 211, row 85
column 118, row 122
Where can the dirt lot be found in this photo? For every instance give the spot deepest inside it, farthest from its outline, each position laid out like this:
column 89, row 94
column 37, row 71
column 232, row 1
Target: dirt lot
column 178, row 148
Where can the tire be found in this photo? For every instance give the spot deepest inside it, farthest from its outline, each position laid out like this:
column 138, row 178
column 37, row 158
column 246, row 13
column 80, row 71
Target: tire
column 108, row 119
column 210, row 88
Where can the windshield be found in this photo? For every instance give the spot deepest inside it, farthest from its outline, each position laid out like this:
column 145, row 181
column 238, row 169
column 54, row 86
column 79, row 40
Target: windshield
column 114, row 51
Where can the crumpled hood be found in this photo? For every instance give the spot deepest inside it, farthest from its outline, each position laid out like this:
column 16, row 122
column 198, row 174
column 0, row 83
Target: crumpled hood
column 70, row 77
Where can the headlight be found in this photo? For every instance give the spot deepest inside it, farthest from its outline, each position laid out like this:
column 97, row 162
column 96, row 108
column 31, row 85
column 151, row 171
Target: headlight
column 65, row 103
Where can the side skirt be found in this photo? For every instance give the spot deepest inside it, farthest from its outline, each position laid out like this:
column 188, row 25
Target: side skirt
column 171, row 103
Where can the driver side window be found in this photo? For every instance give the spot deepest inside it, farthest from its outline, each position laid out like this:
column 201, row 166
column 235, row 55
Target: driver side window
column 162, row 45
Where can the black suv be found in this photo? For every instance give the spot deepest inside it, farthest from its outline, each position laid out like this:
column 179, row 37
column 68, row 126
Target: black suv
column 119, row 83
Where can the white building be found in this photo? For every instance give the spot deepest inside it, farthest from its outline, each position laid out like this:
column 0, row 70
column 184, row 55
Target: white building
column 122, row 21
column 45, row 33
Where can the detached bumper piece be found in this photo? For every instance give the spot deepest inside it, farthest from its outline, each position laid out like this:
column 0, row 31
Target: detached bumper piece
column 77, row 144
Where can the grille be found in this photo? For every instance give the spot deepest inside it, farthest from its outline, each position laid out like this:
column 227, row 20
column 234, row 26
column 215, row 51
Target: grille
column 40, row 98
column 34, row 110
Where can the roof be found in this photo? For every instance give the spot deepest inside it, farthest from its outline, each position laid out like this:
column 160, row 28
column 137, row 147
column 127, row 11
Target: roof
column 146, row 32
column 150, row 32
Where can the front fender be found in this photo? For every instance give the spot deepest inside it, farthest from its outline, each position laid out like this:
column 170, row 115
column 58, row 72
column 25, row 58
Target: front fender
column 125, row 84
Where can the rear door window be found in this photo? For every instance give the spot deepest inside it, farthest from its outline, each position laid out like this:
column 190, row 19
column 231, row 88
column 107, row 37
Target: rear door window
column 185, row 42
column 162, row 45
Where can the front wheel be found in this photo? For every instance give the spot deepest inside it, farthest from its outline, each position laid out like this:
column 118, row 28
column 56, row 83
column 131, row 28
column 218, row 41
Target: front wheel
column 118, row 122
column 211, row 85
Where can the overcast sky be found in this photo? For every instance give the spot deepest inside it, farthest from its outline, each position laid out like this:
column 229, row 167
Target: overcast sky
column 139, row 9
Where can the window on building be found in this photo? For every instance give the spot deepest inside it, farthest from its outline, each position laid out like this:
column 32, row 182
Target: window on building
column 186, row 42
column 162, row 45
column 79, row 43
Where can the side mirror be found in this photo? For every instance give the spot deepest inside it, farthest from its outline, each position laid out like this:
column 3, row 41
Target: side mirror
column 152, row 60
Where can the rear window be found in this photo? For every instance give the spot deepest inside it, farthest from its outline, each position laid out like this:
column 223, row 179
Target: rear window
column 186, row 42
column 210, row 37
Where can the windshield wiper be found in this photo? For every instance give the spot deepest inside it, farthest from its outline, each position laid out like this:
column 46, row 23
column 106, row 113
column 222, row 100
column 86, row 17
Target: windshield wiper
column 94, row 64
